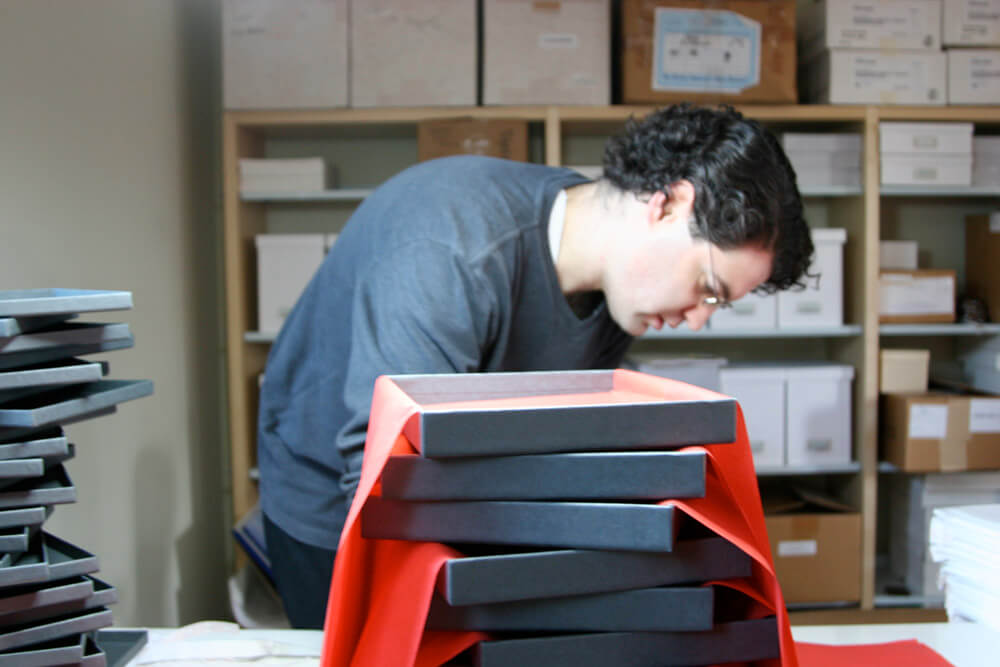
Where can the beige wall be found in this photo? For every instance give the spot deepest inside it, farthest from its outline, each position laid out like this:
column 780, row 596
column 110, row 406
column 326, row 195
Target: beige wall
column 109, row 152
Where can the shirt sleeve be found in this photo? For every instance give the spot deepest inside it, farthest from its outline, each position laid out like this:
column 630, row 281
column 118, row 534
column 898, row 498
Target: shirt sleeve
column 419, row 309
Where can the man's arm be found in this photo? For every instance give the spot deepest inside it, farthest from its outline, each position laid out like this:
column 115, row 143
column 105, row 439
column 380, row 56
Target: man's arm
column 418, row 310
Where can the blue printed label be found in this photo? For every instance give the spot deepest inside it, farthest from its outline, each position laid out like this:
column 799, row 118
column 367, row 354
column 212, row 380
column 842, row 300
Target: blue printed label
column 705, row 50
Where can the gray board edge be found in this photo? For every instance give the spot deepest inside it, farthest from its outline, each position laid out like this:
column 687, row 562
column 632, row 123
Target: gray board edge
column 52, row 301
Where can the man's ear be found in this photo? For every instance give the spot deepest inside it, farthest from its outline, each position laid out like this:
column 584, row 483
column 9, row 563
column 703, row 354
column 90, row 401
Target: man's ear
column 681, row 203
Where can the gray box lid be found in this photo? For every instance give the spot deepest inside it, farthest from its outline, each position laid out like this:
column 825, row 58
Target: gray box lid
column 15, row 326
column 50, row 301
column 61, row 371
column 55, row 406
column 629, row 422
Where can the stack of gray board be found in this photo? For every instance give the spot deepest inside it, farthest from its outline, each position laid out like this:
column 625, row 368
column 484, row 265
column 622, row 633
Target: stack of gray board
column 53, row 610
column 568, row 557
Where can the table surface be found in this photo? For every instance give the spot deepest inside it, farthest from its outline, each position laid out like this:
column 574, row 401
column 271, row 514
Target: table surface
column 218, row 643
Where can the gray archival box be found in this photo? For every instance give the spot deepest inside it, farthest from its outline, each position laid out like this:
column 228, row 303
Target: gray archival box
column 642, row 610
column 616, row 526
column 540, row 574
column 571, row 476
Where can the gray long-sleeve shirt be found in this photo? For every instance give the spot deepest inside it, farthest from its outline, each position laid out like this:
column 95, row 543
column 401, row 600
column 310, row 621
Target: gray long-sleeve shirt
column 445, row 268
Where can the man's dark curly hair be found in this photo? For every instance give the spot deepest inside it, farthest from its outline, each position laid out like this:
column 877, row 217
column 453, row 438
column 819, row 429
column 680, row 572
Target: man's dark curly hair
column 745, row 188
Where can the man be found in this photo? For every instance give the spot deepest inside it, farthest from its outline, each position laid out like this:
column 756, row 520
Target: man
column 473, row 264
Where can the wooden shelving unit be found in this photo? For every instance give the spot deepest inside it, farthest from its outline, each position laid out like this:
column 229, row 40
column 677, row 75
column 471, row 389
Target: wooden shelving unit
column 572, row 135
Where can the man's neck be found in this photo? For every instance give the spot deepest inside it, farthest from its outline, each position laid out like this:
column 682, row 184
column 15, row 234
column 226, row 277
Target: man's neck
column 590, row 212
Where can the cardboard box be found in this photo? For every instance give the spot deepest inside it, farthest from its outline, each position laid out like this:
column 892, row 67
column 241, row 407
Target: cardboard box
column 821, row 304
column 551, row 52
column 816, row 544
column 472, row 136
column 719, row 51
column 916, row 297
column 855, row 76
column 903, row 371
column 886, row 25
column 284, row 55
column 971, row 23
column 940, row 432
column 982, row 257
column 973, row 76
column 898, row 255
column 406, row 53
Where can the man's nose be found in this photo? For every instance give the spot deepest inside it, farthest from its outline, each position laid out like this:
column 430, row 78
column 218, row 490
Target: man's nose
column 698, row 316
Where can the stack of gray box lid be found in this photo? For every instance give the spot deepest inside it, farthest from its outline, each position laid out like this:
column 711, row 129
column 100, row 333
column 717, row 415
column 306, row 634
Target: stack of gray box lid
column 52, row 610
column 568, row 558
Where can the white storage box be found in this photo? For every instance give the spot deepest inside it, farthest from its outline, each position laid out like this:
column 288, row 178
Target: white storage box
column 926, row 169
column 971, row 23
column 849, row 76
column 753, row 311
column 285, row 264
column 925, row 138
column 818, row 414
column 760, row 391
column 888, row 25
column 897, row 255
column 284, row 55
column 821, row 304
column 699, row 370
column 973, row 76
column 822, row 142
column 406, row 53
column 903, row 371
column 547, row 52
column 272, row 175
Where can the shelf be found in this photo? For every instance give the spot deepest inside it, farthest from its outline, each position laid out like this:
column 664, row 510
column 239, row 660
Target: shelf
column 339, row 195
column 940, row 191
column 843, row 331
column 830, row 191
column 971, row 329
column 891, row 601
column 786, row 471
column 260, row 336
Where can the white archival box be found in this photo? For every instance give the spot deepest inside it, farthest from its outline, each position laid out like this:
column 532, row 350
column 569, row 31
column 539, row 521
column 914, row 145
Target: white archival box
column 818, row 413
column 821, row 304
column 753, row 311
column 971, row 23
column 974, row 76
column 760, row 391
column 285, row 264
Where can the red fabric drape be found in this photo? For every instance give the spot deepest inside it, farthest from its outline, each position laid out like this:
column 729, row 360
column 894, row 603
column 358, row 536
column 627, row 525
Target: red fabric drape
column 381, row 589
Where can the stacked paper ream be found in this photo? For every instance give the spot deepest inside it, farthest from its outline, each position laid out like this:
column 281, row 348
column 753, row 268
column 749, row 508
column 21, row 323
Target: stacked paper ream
column 824, row 159
column 986, row 161
column 966, row 541
column 265, row 175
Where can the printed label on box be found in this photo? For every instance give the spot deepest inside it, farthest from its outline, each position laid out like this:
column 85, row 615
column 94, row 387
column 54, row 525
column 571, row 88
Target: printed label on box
column 928, row 421
column 984, row 415
column 795, row 548
column 558, row 40
column 705, row 50
column 901, row 295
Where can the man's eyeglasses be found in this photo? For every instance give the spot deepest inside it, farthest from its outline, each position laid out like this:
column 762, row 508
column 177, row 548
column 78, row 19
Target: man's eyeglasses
column 715, row 297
